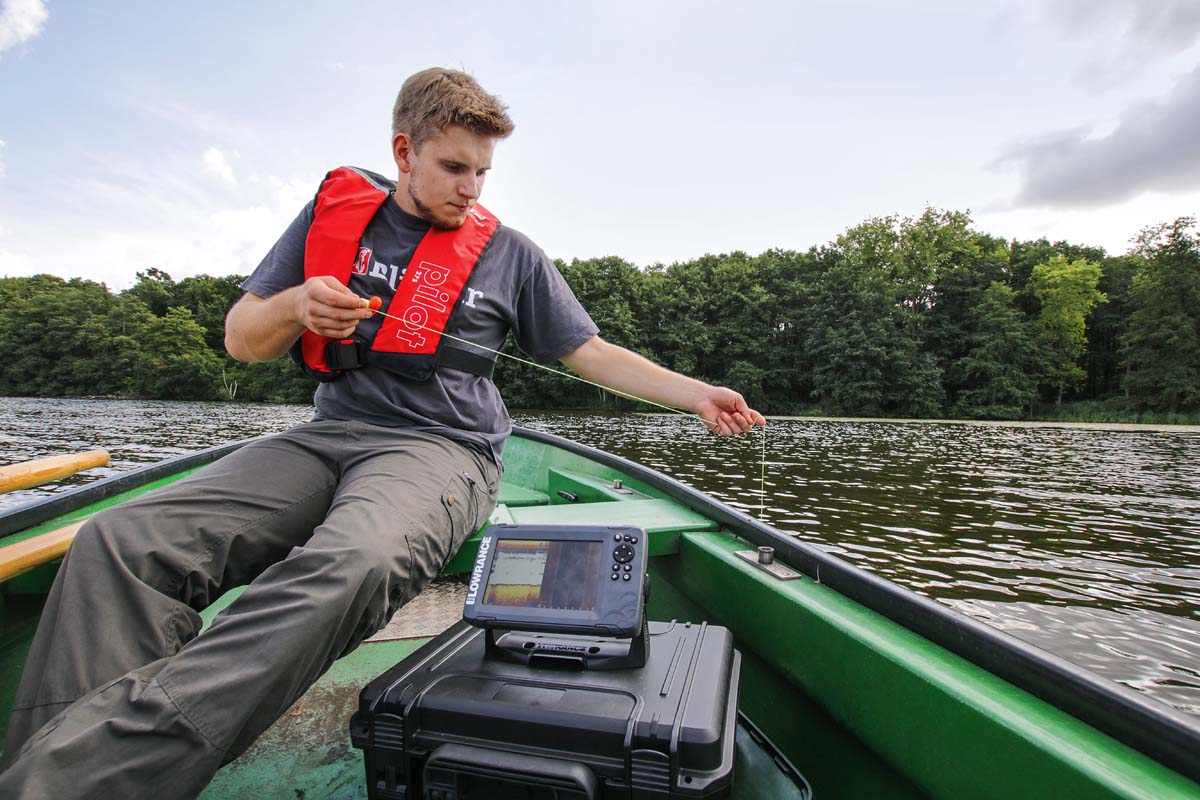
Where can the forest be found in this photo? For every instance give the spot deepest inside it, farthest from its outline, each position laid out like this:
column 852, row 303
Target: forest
column 921, row 317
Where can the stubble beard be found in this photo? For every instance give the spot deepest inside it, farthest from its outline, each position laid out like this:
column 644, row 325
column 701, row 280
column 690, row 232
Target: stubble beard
column 428, row 214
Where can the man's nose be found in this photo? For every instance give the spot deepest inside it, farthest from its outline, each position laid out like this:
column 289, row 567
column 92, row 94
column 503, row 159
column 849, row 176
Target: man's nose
column 470, row 187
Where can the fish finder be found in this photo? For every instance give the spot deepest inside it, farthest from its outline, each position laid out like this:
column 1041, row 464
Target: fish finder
column 562, row 593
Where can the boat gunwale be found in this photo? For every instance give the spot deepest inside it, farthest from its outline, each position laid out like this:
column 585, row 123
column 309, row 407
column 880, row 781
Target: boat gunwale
column 1149, row 727
column 1152, row 728
column 42, row 509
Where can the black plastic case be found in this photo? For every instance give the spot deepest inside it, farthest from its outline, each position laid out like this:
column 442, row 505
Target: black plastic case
column 448, row 724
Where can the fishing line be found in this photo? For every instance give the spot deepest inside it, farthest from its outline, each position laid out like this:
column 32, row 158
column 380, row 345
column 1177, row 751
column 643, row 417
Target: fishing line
column 551, row 370
column 762, row 477
column 371, row 305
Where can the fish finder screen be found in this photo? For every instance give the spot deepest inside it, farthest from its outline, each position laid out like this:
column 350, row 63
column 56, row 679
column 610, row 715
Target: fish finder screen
column 542, row 574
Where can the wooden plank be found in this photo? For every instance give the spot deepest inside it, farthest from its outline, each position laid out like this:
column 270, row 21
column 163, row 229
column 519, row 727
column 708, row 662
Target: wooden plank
column 44, row 470
column 22, row 556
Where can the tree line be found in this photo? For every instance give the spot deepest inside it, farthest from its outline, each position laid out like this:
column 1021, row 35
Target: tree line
column 906, row 317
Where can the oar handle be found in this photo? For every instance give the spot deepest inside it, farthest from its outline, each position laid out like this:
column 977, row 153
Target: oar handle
column 44, row 470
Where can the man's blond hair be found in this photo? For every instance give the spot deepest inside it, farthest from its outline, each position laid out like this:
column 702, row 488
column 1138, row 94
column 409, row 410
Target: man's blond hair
column 434, row 99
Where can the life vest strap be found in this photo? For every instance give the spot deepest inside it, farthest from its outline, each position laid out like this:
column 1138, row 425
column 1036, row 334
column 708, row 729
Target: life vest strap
column 352, row 354
column 345, row 354
column 457, row 358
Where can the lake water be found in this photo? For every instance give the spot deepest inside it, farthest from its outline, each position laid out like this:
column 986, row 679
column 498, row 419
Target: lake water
column 1084, row 540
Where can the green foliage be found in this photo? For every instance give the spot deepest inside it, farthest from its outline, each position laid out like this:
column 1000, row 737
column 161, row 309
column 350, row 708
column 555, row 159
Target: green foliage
column 898, row 316
column 852, row 327
column 156, row 289
column 67, row 337
column 1106, row 326
column 868, row 322
column 176, row 364
column 995, row 372
column 278, row 381
column 1161, row 348
column 208, row 298
column 75, row 338
column 1115, row 409
column 1066, row 292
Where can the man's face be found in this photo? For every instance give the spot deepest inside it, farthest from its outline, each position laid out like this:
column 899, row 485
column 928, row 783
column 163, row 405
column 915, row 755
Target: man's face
column 445, row 174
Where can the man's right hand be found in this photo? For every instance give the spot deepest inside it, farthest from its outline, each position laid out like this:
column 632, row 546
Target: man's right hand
column 263, row 328
column 326, row 307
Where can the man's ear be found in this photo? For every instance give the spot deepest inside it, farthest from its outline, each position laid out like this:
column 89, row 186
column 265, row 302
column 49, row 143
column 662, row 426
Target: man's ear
column 402, row 152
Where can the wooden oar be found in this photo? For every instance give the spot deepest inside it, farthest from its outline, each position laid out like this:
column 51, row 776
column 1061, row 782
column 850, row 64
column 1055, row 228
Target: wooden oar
column 44, row 470
column 16, row 558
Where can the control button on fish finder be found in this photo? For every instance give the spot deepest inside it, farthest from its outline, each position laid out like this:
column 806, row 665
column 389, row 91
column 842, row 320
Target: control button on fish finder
column 616, row 537
column 623, row 553
column 614, row 577
column 626, row 577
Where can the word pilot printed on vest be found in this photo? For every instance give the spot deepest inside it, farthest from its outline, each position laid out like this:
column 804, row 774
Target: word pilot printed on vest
column 409, row 342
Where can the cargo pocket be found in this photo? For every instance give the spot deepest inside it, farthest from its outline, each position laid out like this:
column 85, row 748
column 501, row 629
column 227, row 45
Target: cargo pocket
column 466, row 503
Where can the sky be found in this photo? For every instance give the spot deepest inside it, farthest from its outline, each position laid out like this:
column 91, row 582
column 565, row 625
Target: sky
column 187, row 136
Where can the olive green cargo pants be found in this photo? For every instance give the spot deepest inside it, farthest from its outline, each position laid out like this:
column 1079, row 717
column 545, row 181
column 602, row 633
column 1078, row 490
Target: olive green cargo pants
column 334, row 526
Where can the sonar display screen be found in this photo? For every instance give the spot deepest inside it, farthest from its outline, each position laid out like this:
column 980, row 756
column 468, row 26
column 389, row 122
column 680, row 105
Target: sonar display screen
column 532, row 573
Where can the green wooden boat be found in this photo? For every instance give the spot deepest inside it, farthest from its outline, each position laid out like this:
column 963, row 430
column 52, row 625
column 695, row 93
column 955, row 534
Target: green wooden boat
column 865, row 689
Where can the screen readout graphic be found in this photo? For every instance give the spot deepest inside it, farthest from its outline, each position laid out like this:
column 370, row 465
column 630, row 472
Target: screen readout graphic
column 542, row 574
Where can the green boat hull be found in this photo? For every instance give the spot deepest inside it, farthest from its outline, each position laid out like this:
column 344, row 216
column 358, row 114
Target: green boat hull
column 866, row 689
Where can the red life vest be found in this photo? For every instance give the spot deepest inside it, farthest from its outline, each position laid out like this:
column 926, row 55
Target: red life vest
column 423, row 302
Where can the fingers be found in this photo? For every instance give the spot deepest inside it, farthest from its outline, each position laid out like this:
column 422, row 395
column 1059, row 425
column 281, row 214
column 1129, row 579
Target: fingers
column 334, row 321
column 748, row 414
column 732, row 415
column 726, row 424
column 327, row 290
column 332, row 330
column 328, row 308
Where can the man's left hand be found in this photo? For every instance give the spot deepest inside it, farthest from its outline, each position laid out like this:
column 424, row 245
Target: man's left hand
column 726, row 413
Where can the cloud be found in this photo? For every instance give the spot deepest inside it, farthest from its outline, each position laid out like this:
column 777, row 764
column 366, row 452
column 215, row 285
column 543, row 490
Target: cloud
column 247, row 232
column 216, row 163
column 20, row 21
column 3, row 166
column 1125, row 35
column 148, row 99
column 184, row 230
column 1154, row 147
column 1159, row 25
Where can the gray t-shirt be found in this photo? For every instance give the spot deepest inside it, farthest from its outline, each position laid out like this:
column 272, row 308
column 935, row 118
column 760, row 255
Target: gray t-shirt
column 514, row 287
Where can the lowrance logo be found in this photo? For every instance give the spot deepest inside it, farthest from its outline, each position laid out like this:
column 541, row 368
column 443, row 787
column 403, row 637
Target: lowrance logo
column 566, row 648
column 485, row 544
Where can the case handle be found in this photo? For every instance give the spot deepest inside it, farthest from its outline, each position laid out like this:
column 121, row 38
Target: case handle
column 463, row 772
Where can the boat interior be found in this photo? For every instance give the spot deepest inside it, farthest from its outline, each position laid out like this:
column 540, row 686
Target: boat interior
column 836, row 700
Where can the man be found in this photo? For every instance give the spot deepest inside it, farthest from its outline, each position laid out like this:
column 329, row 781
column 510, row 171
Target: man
column 336, row 523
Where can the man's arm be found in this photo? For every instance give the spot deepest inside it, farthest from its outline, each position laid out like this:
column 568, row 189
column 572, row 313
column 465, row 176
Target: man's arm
column 262, row 329
column 615, row 367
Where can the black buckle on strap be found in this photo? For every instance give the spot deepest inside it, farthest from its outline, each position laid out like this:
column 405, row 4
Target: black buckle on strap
column 346, row 354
